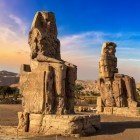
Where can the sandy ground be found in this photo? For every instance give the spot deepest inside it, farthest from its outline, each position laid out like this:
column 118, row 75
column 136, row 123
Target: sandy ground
column 113, row 127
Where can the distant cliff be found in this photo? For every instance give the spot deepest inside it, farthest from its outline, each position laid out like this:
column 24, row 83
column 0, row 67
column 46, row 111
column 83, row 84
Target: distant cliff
column 8, row 78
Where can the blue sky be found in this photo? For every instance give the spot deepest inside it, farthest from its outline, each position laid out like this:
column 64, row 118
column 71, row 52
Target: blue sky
column 83, row 26
column 83, row 15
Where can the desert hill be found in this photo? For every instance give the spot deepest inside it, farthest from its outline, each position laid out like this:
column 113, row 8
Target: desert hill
column 138, row 85
column 8, row 78
column 88, row 85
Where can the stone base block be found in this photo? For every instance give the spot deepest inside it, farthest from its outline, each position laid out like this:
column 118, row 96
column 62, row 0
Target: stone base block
column 68, row 125
column 122, row 111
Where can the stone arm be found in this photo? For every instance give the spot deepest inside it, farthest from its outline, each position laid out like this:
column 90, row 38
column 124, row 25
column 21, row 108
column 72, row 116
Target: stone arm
column 37, row 50
column 42, row 58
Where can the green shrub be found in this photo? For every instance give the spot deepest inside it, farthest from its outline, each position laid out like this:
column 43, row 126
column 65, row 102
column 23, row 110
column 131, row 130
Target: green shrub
column 9, row 91
column 78, row 90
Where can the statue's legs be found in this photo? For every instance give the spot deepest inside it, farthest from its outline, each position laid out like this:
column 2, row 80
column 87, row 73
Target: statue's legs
column 131, row 91
column 71, row 75
column 60, row 76
column 49, row 91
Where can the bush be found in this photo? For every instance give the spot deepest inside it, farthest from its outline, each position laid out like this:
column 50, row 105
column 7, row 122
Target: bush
column 78, row 90
column 9, row 91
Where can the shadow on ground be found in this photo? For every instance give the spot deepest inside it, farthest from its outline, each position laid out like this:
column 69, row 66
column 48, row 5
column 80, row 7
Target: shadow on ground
column 107, row 128
column 111, row 128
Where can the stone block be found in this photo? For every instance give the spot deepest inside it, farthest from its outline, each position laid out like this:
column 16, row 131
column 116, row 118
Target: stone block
column 122, row 111
column 108, row 110
column 64, row 124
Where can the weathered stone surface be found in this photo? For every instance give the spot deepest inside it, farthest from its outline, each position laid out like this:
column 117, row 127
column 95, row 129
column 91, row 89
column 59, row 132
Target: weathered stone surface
column 43, row 38
column 47, row 86
column 48, row 81
column 50, row 87
column 108, row 60
column 122, row 111
column 117, row 90
column 99, row 104
column 69, row 125
column 23, row 118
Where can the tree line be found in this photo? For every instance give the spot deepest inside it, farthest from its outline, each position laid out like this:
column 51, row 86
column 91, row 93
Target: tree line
column 7, row 91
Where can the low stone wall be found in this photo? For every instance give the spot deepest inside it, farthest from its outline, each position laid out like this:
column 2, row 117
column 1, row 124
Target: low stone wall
column 69, row 125
column 122, row 111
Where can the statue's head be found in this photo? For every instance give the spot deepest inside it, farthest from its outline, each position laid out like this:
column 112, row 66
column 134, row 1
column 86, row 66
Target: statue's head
column 108, row 60
column 45, row 22
column 43, row 36
column 109, row 48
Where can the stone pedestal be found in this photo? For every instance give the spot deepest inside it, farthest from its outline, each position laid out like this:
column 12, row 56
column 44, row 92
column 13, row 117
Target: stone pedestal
column 118, row 111
column 67, row 125
column 121, row 111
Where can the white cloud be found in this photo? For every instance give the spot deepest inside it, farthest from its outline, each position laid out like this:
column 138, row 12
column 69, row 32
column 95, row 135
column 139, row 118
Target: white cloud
column 12, row 40
column 12, row 32
column 82, row 49
column 19, row 22
column 127, row 60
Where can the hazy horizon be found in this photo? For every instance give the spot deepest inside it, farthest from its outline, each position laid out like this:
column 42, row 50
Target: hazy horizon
column 82, row 28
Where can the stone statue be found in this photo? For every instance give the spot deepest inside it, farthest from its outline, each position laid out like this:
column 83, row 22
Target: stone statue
column 117, row 90
column 47, row 84
column 108, row 60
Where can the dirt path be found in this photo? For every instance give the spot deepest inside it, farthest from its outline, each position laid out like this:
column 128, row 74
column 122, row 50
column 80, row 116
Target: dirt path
column 113, row 127
column 8, row 114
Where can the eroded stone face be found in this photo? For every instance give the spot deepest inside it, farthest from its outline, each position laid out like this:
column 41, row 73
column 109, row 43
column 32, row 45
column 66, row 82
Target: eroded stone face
column 43, row 38
column 108, row 60
column 117, row 90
